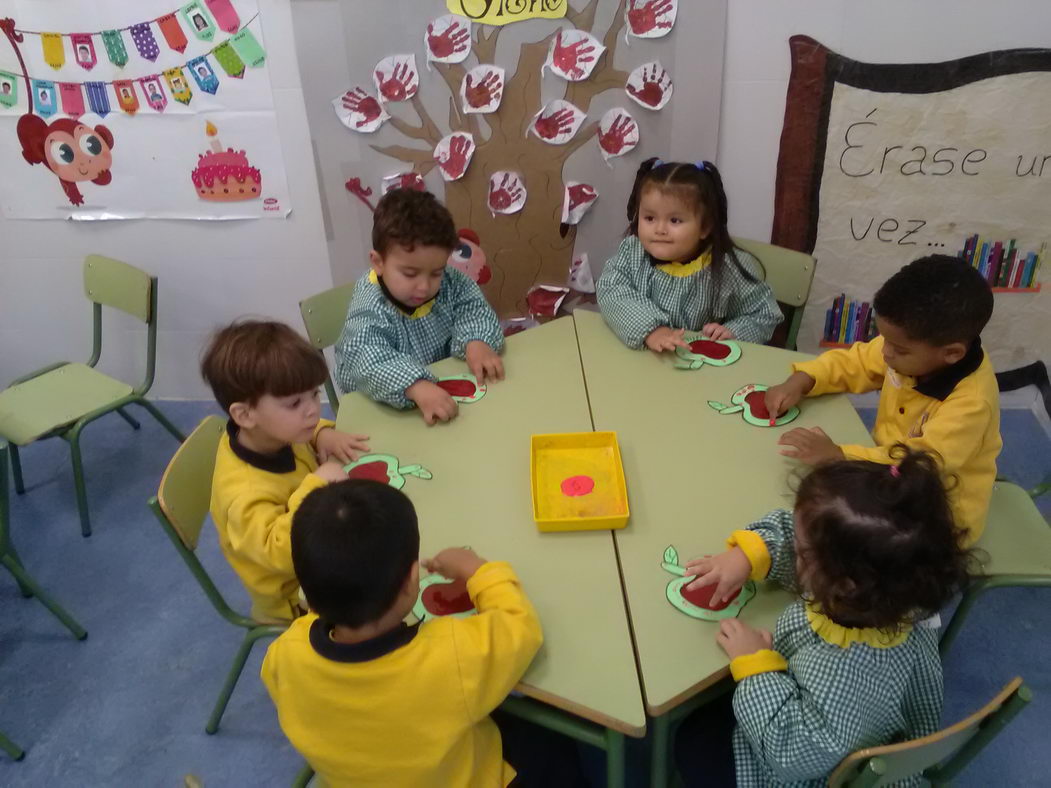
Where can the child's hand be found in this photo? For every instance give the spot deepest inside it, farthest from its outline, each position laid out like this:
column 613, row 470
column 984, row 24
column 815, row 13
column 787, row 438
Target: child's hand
column 716, row 331
column 455, row 563
column 333, row 444
column 728, row 571
column 483, row 361
column 331, row 472
column 783, row 396
column 434, row 402
column 811, row 446
column 664, row 338
column 738, row 639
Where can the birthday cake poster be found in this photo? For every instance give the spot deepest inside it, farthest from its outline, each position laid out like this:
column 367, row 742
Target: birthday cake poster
column 156, row 110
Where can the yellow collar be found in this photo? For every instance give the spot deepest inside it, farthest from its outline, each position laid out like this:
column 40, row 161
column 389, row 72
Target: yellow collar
column 838, row 635
column 686, row 269
column 422, row 310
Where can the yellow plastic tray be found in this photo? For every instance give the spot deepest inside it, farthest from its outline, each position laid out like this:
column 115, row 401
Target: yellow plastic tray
column 559, row 457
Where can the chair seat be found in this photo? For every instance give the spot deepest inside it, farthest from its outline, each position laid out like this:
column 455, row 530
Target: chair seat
column 55, row 399
column 1016, row 537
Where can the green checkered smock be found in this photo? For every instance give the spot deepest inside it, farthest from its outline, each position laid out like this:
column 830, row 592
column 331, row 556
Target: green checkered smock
column 635, row 298
column 795, row 725
column 383, row 351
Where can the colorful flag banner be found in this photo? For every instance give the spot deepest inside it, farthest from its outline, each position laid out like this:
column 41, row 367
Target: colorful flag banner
column 54, row 52
column 180, row 88
column 83, row 50
column 228, row 59
column 172, row 32
column 199, row 20
column 248, row 48
column 98, row 98
column 8, row 89
column 203, row 74
column 154, row 92
column 144, row 41
column 224, row 14
column 72, row 99
column 114, row 43
column 124, row 90
column 45, row 98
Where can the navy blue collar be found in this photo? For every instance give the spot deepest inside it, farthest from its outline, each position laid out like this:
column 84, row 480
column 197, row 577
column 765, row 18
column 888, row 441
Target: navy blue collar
column 941, row 384
column 281, row 461
column 366, row 650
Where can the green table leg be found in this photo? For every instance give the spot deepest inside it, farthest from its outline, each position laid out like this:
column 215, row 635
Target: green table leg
column 660, row 751
column 615, row 760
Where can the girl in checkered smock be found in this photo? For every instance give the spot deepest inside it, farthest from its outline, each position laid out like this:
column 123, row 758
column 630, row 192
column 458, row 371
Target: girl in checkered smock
column 678, row 269
column 873, row 552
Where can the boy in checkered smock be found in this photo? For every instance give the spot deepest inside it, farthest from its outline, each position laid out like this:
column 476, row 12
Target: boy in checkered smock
column 873, row 550
column 678, row 269
column 412, row 309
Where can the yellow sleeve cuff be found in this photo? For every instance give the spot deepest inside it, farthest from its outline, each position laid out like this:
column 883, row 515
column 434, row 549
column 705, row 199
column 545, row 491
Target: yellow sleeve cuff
column 753, row 546
column 489, row 574
column 323, row 424
column 762, row 661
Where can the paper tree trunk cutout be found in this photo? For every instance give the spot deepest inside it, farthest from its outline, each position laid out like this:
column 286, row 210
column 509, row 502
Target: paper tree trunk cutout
column 717, row 352
column 750, row 402
column 386, row 469
column 698, row 604
column 530, row 249
column 463, row 388
column 440, row 596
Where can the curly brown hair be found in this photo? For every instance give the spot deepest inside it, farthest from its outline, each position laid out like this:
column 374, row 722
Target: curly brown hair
column 408, row 218
column 876, row 544
column 250, row 358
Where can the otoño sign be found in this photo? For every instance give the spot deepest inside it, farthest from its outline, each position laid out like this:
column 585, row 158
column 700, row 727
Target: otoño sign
column 502, row 12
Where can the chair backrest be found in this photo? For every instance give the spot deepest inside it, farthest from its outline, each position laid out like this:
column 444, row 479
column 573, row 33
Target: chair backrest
column 323, row 316
column 789, row 273
column 939, row 756
column 185, row 491
column 5, row 500
column 112, row 283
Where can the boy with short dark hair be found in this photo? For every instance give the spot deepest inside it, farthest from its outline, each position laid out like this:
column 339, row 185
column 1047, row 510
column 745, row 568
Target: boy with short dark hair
column 369, row 700
column 412, row 309
column 266, row 377
column 938, row 389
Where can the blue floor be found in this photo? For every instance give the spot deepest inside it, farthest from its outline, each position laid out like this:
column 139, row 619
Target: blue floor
column 128, row 705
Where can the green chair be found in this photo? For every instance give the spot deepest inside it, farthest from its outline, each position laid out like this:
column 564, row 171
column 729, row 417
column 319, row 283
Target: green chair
column 11, row 748
column 1017, row 545
column 940, row 757
column 323, row 316
column 63, row 398
column 181, row 505
column 789, row 274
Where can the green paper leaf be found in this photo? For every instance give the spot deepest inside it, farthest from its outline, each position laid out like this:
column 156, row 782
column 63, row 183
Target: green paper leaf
column 671, row 556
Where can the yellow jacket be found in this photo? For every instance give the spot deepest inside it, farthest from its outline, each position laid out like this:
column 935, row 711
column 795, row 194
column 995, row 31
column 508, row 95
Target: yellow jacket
column 253, row 499
column 955, row 413
column 410, row 707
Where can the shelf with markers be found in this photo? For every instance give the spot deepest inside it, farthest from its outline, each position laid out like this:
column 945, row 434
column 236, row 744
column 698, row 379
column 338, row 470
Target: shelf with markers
column 1005, row 266
column 848, row 321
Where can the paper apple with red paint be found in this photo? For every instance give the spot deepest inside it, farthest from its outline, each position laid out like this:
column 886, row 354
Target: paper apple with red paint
column 440, row 596
column 463, row 388
column 698, row 603
column 750, row 402
column 384, row 468
column 702, row 350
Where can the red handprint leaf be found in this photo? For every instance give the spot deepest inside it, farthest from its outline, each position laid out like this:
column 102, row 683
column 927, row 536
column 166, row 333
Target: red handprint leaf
column 618, row 133
column 650, row 18
column 359, row 110
column 482, row 88
column 507, row 192
column 453, row 154
column 404, row 180
column 650, row 85
column 580, row 277
column 396, row 78
column 448, row 39
column 544, row 300
column 577, row 200
column 557, row 122
column 573, row 54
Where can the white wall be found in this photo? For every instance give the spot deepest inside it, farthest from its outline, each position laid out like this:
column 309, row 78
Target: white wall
column 755, row 75
column 210, row 272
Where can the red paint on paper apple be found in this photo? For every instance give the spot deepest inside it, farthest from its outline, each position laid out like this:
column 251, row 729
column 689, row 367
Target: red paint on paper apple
column 446, row 599
column 375, row 471
column 756, row 401
column 578, row 485
column 706, row 347
column 702, row 597
column 458, row 387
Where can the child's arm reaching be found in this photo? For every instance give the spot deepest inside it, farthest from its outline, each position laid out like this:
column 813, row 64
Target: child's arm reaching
column 752, row 312
column 477, row 337
column 856, row 369
column 766, row 549
column 627, row 310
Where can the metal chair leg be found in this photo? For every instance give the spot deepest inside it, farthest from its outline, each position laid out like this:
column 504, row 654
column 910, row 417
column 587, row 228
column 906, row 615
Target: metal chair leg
column 78, row 479
column 24, row 580
column 251, row 636
column 161, row 418
column 128, row 418
column 11, row 748
column 16, row 469
column 25, row 590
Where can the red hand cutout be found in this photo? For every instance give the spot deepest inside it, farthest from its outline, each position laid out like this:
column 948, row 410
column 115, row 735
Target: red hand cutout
column 455, row 163
column 450, row 41
column 484, row 92
column 359, row 101
column 550, row 126
column 581, row 193
column 653, row 86
column 503, row 197
column 400, row 83
column 568, row 58
column 645, row 18
column 615, row 139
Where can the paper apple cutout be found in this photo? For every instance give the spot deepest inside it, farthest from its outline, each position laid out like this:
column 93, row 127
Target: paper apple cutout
column 698, row 604
column 463, row 388
column 717, row 352
column 384, row 468
column 750, row 402
column 440, row 596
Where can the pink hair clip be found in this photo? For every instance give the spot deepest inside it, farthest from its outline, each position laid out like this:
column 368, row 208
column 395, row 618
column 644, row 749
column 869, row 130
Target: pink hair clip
column 894, row 471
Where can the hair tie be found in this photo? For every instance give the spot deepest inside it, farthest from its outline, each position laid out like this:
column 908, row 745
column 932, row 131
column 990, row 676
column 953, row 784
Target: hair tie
column 658, row 162
column 895, row 471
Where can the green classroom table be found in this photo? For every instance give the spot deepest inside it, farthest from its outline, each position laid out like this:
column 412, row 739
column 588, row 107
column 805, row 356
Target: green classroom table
column 693, row 476
column 480, row 496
